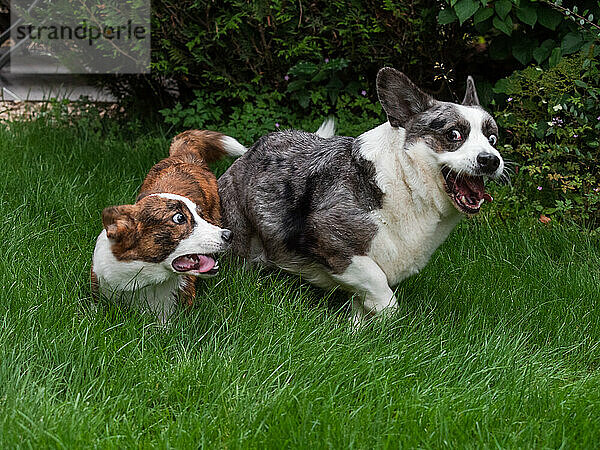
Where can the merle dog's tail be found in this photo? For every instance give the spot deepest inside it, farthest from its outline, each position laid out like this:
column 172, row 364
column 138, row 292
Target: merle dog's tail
column 209, row 145
column 327, row 128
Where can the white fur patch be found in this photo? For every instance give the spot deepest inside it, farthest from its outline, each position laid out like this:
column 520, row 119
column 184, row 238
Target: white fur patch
column 464, row 160
column 327, row 128
column 366, row 278
column 417, row 215
column 232, row 147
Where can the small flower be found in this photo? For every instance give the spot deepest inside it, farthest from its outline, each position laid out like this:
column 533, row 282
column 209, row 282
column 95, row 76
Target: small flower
column 557, row 107
column 539, row 188
column 598, row 118
column 326, row 60
column 545, row 219
column 556, row 121
column 597, row 189
column 509, row 99
column 286, row 78
column 575, row 135
column 363, row 92
column 276, row 124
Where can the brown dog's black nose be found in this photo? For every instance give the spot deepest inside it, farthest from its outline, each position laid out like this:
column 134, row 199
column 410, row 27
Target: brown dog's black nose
column 488, row 162
column 226, row 235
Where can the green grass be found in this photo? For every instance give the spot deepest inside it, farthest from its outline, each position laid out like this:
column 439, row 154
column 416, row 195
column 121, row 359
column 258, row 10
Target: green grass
column 496, row 342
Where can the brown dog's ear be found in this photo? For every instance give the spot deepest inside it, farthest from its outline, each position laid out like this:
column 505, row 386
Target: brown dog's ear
column 399, row 96
column 471, row 98
column 118, row 221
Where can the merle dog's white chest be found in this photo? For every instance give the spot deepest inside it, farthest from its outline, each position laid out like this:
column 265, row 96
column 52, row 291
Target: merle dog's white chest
column 416, row 216
column 405, row 241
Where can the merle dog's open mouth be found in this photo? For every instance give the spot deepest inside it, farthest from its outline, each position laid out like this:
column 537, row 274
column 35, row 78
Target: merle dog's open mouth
column 466, row 191
column 196, row 264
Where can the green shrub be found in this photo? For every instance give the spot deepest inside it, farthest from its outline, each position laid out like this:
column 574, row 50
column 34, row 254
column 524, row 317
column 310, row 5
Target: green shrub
column 324, row 49
column 527, row 30
column 551, row 120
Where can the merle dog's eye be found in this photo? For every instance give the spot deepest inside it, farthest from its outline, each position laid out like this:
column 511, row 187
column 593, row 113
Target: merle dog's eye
column 493, row 139
column 454, row 135
column 179, row 218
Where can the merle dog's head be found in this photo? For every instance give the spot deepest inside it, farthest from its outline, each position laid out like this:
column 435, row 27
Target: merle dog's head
column 460, row 139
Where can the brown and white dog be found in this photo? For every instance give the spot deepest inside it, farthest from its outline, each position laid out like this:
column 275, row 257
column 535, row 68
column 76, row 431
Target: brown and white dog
column 150, row 253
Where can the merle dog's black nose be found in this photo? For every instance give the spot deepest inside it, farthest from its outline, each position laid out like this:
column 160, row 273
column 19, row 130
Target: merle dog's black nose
column 488, row 162
column 226, row 235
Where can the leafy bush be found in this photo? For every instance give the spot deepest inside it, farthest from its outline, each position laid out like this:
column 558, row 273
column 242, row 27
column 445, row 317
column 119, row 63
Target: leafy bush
column 256, row 113
column 528, row 30
column 313, row 51
column 552, row 123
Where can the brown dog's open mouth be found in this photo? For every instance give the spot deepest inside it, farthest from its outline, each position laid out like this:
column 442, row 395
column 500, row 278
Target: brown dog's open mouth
column 196, row 264
column 466, row 191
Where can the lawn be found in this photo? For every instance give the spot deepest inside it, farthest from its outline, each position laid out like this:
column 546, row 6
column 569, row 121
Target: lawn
column 496, row 342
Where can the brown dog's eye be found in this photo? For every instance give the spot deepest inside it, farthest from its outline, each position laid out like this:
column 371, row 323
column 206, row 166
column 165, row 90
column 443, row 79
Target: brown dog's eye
column 454, row 135
column 179, row 218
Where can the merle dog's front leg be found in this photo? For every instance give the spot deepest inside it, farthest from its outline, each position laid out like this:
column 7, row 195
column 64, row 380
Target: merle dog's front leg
column 366, row 278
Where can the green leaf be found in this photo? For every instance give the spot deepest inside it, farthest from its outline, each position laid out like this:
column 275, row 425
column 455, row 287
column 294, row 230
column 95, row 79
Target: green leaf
column 502, row 86
column 527, row 14
column 542, row 53
column 555, row 57
column 523, row 48
column 549, row 18
column 482, row 15
column 540, row 129
column 446, row 16
column 571, row 43
column 465, row 9
column 503, row 7
column 505, row 25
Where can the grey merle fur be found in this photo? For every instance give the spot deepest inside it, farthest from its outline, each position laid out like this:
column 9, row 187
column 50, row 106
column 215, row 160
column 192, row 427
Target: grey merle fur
column 302, row 199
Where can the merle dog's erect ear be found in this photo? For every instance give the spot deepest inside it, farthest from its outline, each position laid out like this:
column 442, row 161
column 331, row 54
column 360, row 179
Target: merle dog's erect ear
column 471, row 98
column 118, row 221
column 399, row 96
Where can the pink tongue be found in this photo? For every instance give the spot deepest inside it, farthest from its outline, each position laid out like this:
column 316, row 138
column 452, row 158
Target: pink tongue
column 206, row 263
column 197, row 263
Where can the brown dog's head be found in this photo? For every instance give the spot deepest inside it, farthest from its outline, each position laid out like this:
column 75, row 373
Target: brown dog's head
column 168, row 230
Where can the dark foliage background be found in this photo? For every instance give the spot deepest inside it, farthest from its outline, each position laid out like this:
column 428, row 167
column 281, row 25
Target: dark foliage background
column 250, row 67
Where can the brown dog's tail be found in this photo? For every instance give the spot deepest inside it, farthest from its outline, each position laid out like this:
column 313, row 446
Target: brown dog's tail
column 209, row 145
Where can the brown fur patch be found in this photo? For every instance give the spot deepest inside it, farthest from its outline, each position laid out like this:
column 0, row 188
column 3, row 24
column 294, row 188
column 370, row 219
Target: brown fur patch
column 189, row 176
column 203, row 143
column 188, row 293
column 95, row 287
column 146, row 231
